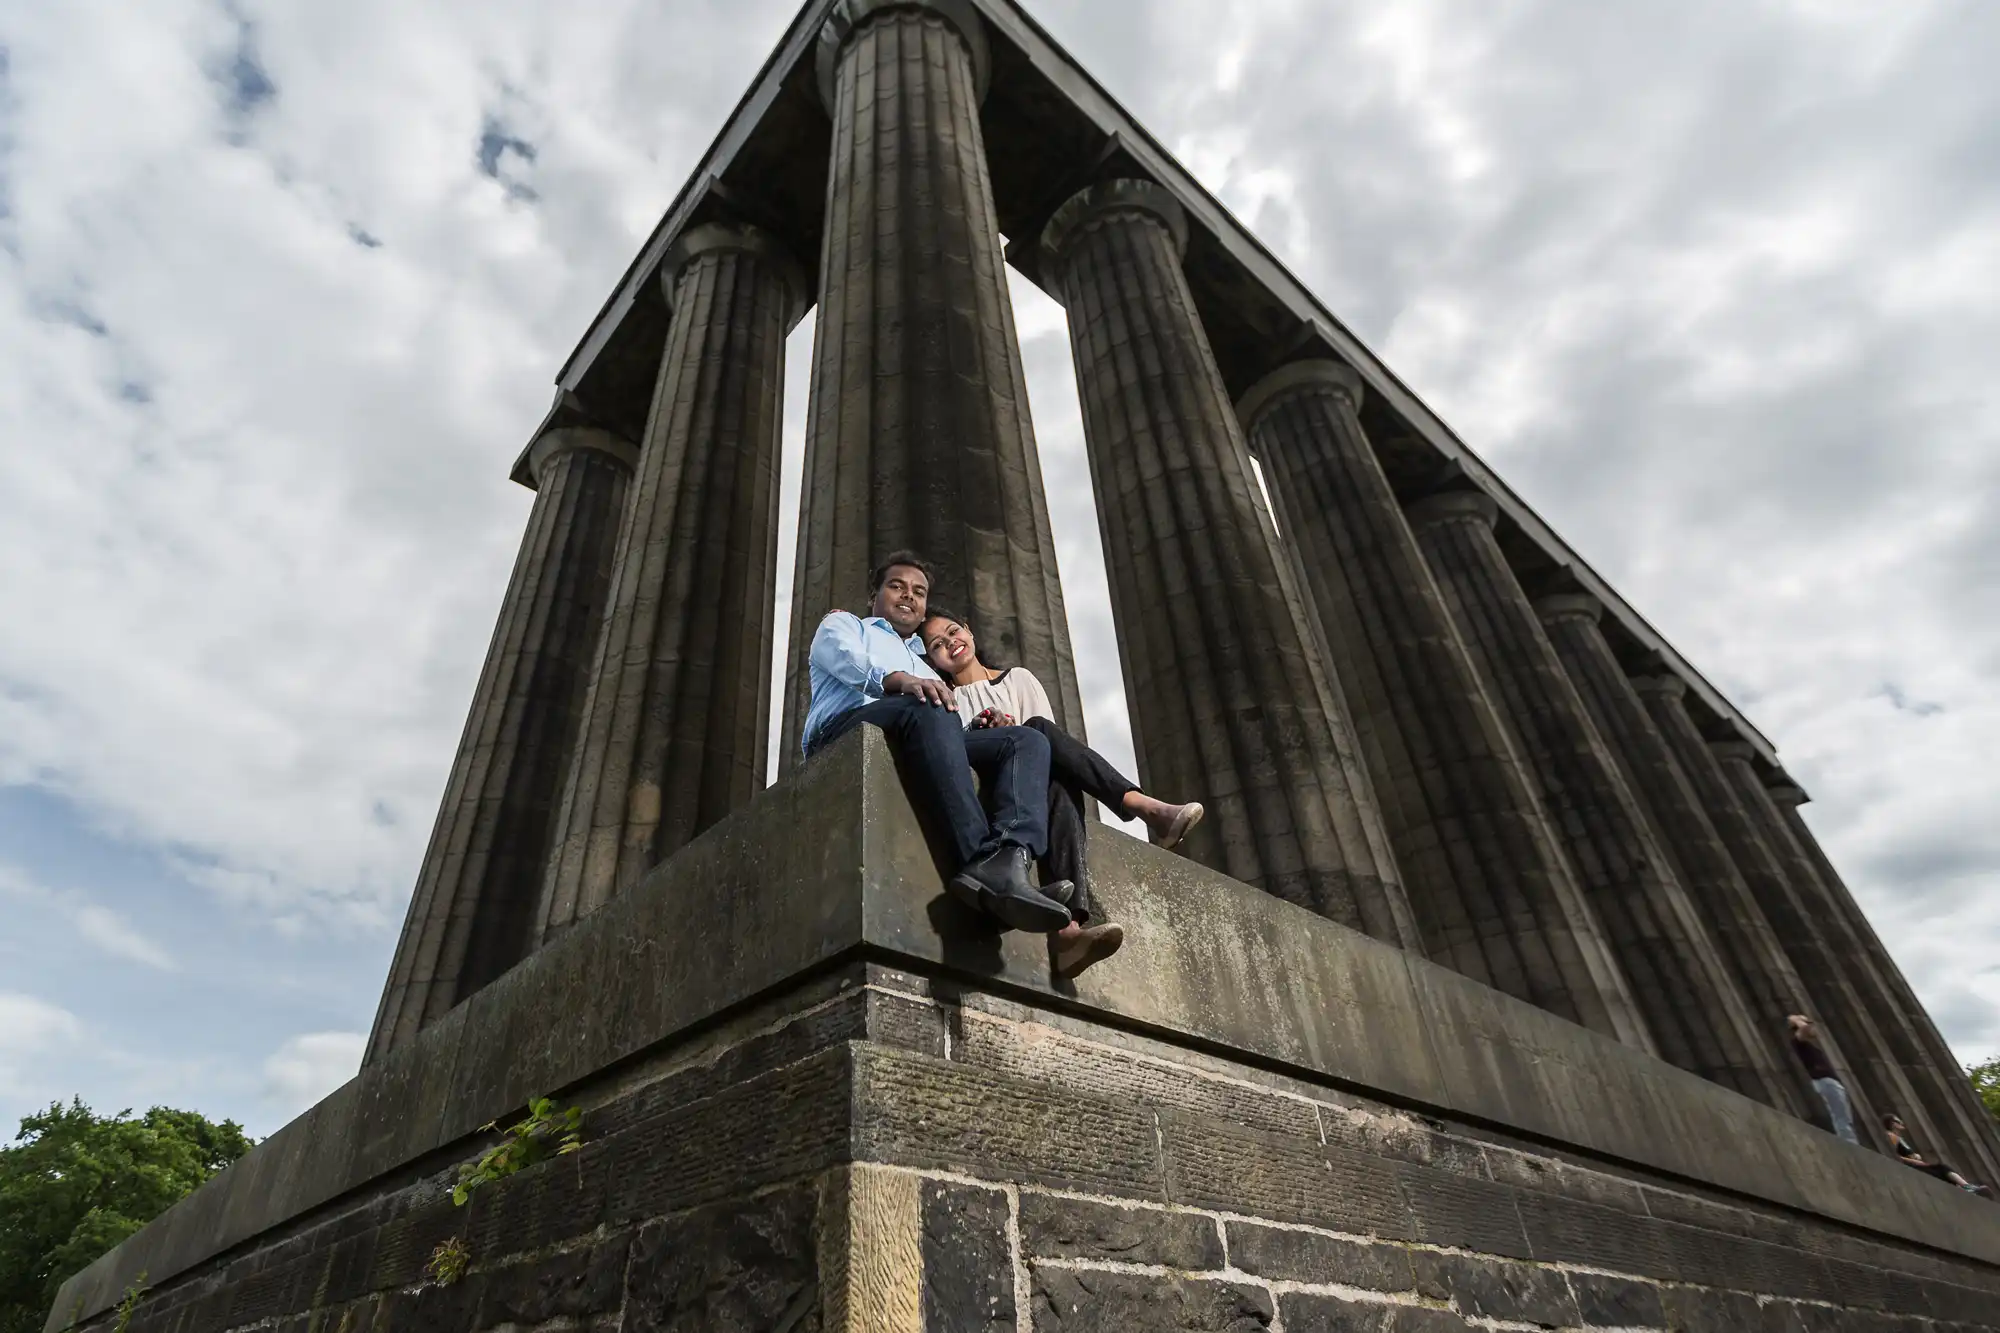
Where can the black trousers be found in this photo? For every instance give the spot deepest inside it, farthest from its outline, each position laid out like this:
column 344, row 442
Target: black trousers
column 1075, row 771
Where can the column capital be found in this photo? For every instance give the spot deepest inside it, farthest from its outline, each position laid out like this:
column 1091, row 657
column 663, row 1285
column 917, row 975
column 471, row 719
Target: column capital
column 563, row 439
column 1785, row 791
column 1569, row 606
column 1297, row 377
column 850, row 15
column 1673, row 687
column 1743, row 750
column 1125, row 195
column 1453, row 506
column 736, row 238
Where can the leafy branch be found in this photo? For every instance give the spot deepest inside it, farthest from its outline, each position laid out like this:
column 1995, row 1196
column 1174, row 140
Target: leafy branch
column 545, row 1133
column 126, row 1308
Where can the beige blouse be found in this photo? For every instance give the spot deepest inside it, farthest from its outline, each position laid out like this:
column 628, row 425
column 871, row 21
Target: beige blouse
column 1014, row 692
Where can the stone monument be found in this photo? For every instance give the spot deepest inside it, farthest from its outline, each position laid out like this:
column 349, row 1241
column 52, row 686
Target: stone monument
column 1465, row 1009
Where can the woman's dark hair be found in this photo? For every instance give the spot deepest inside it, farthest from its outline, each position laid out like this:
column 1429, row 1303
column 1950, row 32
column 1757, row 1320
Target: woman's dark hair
column 891, row 561
column 1890, row 1119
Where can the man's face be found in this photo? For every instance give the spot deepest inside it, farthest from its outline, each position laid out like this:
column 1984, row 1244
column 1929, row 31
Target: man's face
column 902, row 597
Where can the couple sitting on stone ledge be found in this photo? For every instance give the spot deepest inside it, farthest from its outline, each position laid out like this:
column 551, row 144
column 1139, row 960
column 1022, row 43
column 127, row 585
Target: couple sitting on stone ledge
column 916, row 674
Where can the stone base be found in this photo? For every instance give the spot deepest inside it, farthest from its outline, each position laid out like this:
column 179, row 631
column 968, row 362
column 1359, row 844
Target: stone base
column 818, row 1097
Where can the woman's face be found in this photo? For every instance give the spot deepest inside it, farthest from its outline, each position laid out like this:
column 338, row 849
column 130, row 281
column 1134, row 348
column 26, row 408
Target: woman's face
column 949, row 645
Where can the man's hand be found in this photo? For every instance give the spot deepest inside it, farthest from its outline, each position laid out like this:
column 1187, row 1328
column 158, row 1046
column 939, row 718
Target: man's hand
column 992, row 717
column 934, row 692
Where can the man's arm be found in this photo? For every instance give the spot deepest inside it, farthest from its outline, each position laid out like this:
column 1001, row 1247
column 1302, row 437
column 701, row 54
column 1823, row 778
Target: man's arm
column 838, row 650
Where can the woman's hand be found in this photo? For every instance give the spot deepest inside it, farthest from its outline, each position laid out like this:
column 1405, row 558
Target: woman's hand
column 992, row 717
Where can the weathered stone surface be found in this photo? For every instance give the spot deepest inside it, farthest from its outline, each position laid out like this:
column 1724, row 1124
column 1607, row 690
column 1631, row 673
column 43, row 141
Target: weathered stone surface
column 1306, row 1256
column 1224, row 1167
column 1053, row 1227
column 575, row 1284
column 1482, row 1288
column 674, row 727
column 1568, row 1231
column 1307, row 1312
column 1070, row 1301
column 968, row 1259
column 1240, row 711
column 939, row 1115
column 472, row 915
column 1603, row 1301
column 736, row 1268
column 1716, row 889
column 1698, row 1310
column 1473, row 1214
column 918, row 432
column 1044, row 1056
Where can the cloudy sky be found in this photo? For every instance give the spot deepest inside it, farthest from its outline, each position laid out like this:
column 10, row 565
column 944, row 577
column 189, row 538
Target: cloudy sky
column 1714, row 283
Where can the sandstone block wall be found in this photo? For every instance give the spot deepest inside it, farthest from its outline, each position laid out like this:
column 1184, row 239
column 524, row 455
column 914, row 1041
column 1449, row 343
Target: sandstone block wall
column 872, row 1150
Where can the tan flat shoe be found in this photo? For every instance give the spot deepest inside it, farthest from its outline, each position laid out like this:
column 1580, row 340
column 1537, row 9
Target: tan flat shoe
column 1184, row 820
column 1089, row 946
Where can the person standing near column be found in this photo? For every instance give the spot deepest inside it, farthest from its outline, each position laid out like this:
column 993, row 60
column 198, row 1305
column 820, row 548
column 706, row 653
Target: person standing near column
column 1825, row 1079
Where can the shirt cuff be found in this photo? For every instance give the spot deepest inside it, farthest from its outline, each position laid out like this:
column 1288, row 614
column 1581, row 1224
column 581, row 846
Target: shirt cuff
column 872, row 687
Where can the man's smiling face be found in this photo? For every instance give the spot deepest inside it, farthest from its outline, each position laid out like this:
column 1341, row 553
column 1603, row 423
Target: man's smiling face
column 901, row 599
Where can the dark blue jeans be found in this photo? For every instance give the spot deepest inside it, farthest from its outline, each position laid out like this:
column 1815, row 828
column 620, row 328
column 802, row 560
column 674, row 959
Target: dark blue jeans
column 940, row 756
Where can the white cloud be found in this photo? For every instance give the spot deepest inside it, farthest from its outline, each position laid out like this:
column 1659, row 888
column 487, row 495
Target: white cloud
column 112, row 933
column 309, row 1066
column 28, row 1024
column 100, row 926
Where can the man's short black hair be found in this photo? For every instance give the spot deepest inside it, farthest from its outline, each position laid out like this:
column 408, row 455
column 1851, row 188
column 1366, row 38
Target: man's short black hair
column 891, row 561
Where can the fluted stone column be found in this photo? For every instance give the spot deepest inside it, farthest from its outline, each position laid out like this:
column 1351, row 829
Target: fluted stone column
column 1684, row 994
column 1968, row 1138
column 1849, row 1037
column 1479, row 863
column 1764, row 976
column 676, row 723
column 919, row 435
column 1230, row 703
column 473, row 912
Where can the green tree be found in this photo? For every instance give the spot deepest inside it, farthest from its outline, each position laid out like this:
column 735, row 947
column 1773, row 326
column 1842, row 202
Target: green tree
column 74, row 1184
column 1986, row 1082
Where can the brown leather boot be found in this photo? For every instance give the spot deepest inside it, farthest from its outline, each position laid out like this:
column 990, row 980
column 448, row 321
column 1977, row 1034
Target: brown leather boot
column 1078, row 947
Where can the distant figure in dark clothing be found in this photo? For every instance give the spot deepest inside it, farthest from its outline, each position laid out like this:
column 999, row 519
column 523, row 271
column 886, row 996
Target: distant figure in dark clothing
column 1908, row 1155
column 1826, row 1082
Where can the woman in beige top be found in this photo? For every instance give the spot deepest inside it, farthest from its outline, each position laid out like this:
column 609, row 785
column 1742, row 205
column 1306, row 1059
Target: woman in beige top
column 990, row 697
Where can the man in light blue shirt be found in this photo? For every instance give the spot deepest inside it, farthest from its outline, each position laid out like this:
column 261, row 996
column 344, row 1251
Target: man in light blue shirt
column 873, row 670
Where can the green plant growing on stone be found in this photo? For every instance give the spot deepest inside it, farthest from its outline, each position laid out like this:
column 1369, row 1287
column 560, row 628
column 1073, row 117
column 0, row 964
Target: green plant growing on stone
column 126, row 1307
column 448, row 1261
column 545, row 1133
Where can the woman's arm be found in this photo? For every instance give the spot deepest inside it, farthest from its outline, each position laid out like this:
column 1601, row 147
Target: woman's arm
column 1031, row 699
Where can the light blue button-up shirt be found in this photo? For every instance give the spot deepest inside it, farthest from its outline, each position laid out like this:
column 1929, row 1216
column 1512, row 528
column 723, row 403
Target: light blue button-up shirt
column 851, row 657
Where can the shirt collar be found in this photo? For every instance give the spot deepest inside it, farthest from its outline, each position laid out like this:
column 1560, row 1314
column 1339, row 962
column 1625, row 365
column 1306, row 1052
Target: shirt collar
column 915, row 641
